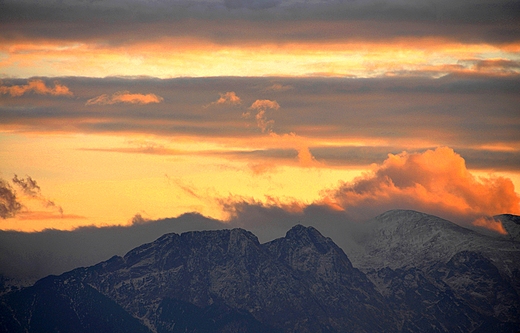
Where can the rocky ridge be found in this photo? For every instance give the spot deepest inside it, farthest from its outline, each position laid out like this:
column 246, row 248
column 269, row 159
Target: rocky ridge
column 417, row 273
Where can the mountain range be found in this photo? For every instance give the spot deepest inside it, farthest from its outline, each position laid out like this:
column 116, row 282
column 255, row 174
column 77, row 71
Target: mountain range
column 404, row 272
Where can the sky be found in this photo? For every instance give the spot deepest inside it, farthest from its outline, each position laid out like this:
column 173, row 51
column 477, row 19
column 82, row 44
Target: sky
column 116, row 113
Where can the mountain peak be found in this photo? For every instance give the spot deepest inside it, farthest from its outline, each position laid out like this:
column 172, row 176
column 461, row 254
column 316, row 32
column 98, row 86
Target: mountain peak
column 511, row 224
column 407, row 238
column 307, row 250
column 302, row 230
column 309, row 236
column 225, row 235
column 407, row 215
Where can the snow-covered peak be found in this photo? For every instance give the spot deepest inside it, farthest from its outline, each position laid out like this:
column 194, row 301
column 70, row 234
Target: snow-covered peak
column 405, row 238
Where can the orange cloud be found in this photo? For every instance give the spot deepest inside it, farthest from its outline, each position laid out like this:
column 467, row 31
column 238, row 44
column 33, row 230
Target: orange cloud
column 279, row 87
column 300, row 144
column 124, row 97
column 262, row 105
column 436, row 182
column 305, row 157
column 229, row 98
column 262, row 122
column 37, row 86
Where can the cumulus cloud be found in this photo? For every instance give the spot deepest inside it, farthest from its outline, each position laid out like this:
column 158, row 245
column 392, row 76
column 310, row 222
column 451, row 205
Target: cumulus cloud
column 228, row 98
column 262, row 122
column 435, row 181
column 9, row 204
column 264, row 104
column 124, row 97
column 261, row 106
column 38, row 87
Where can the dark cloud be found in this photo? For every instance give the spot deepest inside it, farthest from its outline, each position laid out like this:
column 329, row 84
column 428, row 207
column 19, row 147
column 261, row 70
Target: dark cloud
column 30, row 256
column 272, row 220
column 497, row 66
column 347, row 156
column 27, row 185
column 496, row 160
column 251, row 4
column 9, row 204
column 482, row 159
column 31, row 189
column 261, row 20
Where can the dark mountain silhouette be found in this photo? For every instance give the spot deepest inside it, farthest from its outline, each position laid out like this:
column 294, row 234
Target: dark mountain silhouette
column 415, row 273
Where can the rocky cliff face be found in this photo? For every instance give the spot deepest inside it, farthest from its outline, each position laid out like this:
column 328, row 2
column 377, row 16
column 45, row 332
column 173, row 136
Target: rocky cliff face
column 417, row 273
column 300, row 283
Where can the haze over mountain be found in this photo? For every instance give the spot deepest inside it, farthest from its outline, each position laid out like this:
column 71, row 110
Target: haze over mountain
column 27, row 257
column 408, row 272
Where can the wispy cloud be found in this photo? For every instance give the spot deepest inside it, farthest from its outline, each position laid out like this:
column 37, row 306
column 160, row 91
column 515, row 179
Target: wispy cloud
column 12, row 205
column 31, row 190
column 188, row 189
column 9, row 204
column 36, row 86
column 491, row 224
column 28, row 186
column 124, row 97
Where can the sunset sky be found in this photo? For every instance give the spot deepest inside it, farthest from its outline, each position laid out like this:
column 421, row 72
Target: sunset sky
column 118, row 112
